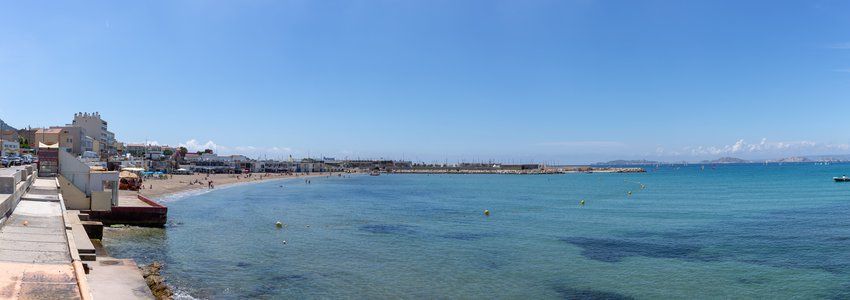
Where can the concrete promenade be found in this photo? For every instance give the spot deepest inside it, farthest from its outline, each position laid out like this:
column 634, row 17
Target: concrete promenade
column 36, row 261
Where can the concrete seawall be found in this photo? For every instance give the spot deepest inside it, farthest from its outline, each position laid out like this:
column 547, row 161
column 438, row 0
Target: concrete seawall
column 13, row 184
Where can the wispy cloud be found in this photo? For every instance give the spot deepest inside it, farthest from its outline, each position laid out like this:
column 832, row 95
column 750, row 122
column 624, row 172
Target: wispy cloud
column 741, row 147
column 193, row 145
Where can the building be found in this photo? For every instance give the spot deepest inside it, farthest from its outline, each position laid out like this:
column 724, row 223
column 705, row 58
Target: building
column 10, row 147
column 47, row 136
column 212, row 163
column 88, row 144
column 98, row 129
column 8, row 133
column 71, row 139
column 136, row 150
column 119, row 147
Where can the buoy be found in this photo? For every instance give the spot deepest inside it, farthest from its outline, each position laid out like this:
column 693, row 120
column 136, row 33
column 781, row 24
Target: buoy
column 278, row 224
column 581, row 203
column 630, row 193
column 26, row 223
column 284, row 242
column 308, row 226
column 486, row 212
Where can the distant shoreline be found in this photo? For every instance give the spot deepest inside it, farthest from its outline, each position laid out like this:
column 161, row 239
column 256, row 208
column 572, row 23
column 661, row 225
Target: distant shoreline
column 523, row 172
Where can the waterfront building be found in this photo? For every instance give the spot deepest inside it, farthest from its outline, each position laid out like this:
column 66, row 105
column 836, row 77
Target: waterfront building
column 98, row 129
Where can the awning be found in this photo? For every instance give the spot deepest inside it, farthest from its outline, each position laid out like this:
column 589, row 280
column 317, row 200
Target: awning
column 127, row 174
column 48, row 146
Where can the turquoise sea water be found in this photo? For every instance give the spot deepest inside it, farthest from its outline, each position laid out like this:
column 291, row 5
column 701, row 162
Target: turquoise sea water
column 734, row 231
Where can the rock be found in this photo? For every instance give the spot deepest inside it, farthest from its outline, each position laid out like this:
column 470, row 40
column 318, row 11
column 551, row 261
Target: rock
column 156, row 282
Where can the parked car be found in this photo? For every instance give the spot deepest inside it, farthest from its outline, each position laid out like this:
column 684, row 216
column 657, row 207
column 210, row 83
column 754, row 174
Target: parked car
column 5, row 161
column 16, row 160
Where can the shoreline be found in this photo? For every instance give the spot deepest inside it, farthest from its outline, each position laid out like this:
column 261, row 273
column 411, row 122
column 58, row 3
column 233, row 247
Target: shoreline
column 178, row 186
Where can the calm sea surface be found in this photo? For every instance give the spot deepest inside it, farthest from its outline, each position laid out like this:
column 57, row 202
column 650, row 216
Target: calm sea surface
column 734, row 231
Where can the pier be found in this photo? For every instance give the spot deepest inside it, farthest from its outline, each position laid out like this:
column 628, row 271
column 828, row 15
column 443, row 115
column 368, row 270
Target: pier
column 36, row 256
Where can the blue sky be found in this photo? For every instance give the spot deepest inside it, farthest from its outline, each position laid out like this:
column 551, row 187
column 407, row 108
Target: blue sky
column 553, row 81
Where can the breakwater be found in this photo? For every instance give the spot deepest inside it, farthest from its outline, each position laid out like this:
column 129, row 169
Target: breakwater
column 563, row 170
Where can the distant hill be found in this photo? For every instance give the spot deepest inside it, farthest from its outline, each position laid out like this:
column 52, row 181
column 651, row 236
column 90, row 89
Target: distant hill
column 726, row 160
column 621, row 162
column 4, row 126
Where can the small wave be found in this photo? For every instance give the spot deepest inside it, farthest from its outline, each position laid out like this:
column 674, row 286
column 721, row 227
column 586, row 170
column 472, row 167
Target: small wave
column 183, row 295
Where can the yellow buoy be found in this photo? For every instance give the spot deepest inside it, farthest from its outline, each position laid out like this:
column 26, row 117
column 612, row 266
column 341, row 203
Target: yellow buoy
column 486, row 212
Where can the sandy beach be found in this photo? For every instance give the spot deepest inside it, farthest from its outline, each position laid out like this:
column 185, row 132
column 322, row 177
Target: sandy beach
column 174, row 184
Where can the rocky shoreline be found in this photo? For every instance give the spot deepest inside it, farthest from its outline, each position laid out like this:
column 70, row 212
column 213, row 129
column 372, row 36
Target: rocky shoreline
column 156, row 282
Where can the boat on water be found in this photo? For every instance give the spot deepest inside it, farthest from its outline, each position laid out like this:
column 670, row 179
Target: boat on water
column 843, row 178
column 375, row 173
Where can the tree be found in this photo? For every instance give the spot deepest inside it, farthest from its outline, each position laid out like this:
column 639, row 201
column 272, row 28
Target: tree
column 182, row 151
column 23, row 143
column 208, row 151
column 167, row 152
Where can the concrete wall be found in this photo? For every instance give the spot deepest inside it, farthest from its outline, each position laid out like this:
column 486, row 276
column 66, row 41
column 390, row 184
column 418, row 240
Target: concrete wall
column 101, row 201
column 14, row 183
column 75, row 171
column 74, row 198
column 88, row 182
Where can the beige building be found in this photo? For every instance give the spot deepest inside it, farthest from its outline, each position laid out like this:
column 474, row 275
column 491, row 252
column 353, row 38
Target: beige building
column 48, row 136
column 71, row 139
column 96, row 128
